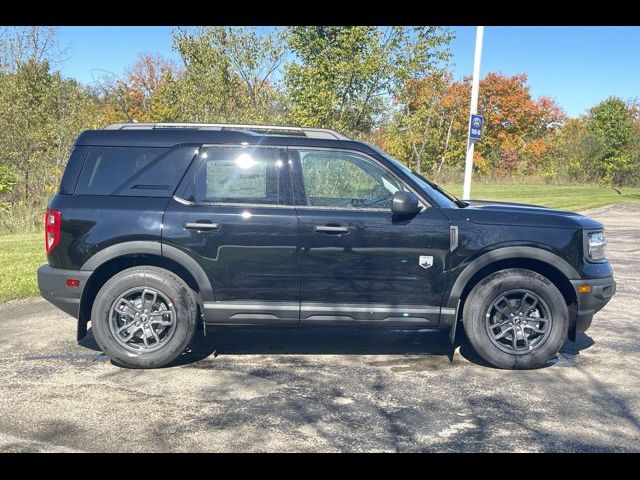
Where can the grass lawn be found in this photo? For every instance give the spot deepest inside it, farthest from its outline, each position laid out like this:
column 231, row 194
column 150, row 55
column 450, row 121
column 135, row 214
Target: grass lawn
column 564, row 197
column 22, row 254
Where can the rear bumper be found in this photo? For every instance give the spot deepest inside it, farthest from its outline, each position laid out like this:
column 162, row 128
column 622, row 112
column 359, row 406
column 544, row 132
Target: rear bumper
column 602, row 290
column 54, row 289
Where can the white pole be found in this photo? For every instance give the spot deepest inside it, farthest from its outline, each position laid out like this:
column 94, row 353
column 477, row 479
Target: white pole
column 475, row 86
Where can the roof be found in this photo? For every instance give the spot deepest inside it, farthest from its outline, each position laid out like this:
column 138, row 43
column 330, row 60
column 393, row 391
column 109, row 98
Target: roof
column 326, row 133
column 169, row 135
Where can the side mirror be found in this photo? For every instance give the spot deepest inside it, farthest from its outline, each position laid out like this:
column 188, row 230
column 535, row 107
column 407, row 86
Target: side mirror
column 404, row 203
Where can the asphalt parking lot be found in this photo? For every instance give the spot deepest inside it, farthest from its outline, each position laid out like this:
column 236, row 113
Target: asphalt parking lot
column 327, row 389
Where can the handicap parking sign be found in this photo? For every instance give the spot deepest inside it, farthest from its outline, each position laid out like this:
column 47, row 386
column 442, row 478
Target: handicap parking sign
column 475, row 127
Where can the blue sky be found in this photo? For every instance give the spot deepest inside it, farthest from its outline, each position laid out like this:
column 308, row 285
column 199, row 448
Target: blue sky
column 576, row 66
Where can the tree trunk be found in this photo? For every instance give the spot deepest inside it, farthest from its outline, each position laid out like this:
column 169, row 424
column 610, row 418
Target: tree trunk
column 446, row 147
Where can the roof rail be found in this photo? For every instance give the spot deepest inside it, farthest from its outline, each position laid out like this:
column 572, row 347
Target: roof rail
column 264, row 129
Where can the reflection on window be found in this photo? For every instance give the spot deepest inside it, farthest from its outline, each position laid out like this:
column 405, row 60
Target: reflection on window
column 241, row 175
column 108, row 168
column 342, row 180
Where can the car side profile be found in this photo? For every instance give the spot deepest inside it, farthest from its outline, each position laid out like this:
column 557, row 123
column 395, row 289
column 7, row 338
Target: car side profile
column 157, row 227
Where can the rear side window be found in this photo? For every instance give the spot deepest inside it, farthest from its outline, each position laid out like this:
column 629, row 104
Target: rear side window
column 243, row 175
column 133, row 171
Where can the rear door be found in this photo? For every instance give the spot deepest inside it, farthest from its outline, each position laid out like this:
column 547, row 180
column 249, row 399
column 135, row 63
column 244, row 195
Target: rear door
column 361, row 263
column 236, row 219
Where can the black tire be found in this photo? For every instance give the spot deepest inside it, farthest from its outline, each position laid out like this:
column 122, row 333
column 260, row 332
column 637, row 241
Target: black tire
column 477, row 318
column 168, row 285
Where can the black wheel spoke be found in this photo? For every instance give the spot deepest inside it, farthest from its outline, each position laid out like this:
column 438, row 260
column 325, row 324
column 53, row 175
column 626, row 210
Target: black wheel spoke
column 131, row 333
column 527, row 304
column 503, row 333
column 149, row 298
column 525, row 339
column 504, row 307
column 153, row 332
column 126, row 326
column 533, row 328
column 500, row 325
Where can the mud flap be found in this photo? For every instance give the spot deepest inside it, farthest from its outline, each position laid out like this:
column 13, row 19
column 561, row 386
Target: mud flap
column 452, row 333
column 573, row 314
column 572, row 334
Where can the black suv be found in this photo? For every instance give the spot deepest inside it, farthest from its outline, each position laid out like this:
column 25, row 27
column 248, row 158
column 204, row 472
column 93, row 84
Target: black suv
column 159, row 226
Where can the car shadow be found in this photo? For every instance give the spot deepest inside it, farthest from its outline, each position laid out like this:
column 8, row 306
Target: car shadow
column 566, row 355
column 307, row 340
column 314, row 340
column 335, row 340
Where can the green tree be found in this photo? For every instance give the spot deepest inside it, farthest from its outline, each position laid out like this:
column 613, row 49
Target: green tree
column 227, row 76
column 345, row 77
column 41, row 113
column 611, row 123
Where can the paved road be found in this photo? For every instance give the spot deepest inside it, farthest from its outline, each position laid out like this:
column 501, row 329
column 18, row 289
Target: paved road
column 327, row 389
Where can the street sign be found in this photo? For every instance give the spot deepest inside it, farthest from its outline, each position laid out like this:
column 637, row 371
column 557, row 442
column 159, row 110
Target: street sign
column 475, row 127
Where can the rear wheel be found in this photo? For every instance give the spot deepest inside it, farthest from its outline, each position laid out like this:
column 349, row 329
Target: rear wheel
column 516, row 318
column 144, row 317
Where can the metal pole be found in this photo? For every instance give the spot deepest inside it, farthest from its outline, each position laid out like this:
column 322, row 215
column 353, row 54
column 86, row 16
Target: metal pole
column 475, row 86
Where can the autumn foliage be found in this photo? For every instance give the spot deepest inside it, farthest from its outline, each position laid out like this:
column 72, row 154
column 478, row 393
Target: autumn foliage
column 391, row 86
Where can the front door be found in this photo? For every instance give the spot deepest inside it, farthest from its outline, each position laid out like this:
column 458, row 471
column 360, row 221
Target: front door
column 361, row 263
column 239, row 224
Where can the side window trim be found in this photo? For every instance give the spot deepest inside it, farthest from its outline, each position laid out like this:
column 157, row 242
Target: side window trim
column 186, row 192
column 299, row 189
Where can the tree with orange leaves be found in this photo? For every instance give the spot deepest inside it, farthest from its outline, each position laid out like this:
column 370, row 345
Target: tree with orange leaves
column 134, row 96
column 431, row 129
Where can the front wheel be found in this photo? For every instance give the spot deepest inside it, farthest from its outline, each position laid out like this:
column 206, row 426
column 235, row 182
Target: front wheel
column 144, row 317
column 516, row 318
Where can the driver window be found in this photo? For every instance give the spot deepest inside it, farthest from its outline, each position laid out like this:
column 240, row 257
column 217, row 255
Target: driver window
column 344, row 180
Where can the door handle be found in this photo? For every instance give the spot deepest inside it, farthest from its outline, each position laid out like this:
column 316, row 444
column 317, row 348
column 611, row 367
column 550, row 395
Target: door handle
column 202, row 226
column 331, row 229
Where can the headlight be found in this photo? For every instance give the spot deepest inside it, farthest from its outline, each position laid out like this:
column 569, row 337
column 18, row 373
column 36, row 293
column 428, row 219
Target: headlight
column 595, row 247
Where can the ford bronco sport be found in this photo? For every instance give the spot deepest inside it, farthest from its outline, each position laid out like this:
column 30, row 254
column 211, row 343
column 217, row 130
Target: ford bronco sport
column 157, row 227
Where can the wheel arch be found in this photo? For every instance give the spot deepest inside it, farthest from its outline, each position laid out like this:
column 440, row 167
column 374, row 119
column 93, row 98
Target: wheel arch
column 556, row 269
column 112, row 260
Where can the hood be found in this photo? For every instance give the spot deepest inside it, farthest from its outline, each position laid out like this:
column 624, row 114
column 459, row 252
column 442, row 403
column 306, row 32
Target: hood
column 488, row 212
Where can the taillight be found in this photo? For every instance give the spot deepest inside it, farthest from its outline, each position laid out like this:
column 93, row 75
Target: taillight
column 51, row 230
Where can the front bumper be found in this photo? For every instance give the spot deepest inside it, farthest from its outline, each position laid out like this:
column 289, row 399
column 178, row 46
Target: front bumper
column 602, row 290
column 54, row 289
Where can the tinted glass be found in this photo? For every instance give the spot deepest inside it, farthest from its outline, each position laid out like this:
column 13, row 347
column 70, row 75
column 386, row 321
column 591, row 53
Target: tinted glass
column 344, row 180
column 108, row 169
column 160, row 177
column 72, row 170
column 242, row 175
column 440, row 198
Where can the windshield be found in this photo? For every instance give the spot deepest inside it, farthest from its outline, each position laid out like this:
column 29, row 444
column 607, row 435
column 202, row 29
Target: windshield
column 437, row 193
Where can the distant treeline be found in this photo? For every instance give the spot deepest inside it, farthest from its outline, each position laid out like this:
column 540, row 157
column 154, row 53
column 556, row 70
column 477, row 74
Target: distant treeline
column 391, row 86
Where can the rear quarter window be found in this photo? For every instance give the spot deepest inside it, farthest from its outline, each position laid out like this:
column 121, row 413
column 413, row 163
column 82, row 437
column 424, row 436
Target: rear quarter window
column 134, row 171
column 72, row 170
